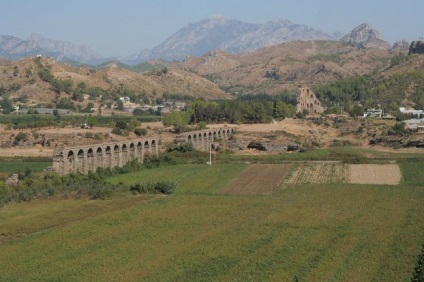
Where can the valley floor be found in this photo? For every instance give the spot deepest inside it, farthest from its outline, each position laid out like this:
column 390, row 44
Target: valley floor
column 307, row 231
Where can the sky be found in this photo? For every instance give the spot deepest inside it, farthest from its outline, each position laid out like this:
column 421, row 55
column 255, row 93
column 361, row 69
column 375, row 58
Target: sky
column 124, row 27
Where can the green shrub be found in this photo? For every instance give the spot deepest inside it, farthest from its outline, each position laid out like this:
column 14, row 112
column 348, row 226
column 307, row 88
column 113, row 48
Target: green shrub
column 165, row 187
column 141, row 131
column 162, row 186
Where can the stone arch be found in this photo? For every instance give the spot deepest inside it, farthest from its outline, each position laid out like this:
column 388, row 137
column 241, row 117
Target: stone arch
column 116, row 157
column 89, row 158
column 71, row 161
column 91, row 161
column 153, row 147
column 132, row 151
column 99, row 157
column 124, row 154
column 81, row 161
column 108, row 157
column 140, row 151
column 147, row 148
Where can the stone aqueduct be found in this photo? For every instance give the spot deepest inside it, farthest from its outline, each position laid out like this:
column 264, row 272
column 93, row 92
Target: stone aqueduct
column 88, row 158
column 108, row 155
column 202, row 139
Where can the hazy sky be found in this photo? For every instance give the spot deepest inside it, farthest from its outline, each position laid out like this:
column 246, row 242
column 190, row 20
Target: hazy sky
column 123, row 27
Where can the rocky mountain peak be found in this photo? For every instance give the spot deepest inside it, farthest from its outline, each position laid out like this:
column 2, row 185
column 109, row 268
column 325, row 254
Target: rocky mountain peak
column 365, row 36
column 230, row 35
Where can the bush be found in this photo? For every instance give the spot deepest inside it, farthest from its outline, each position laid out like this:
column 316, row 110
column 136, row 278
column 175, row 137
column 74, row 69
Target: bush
column 140, row 131
column 183, row 148
column 166, row 187
column 162, row 186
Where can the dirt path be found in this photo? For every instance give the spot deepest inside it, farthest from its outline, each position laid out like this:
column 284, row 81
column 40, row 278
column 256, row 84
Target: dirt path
column 258, row 179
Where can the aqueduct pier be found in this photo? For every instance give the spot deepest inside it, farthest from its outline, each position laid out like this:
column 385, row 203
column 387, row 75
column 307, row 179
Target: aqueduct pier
column 108, row 155
column 202, row 139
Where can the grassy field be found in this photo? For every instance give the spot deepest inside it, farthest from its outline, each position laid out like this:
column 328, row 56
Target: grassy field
column 345, row 153
column 310, row 232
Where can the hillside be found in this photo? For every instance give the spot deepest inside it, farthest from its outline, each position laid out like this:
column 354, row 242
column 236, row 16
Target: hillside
column 22, row 79
column 286, row 66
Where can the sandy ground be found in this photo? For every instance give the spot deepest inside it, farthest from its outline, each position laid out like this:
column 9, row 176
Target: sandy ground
column 389, row 174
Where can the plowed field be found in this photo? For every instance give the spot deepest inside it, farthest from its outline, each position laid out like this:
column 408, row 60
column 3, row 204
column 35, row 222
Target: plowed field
column 258, row 179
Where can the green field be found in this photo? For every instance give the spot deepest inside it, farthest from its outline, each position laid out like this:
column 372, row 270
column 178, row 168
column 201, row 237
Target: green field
column 18, row 166
column 310, row 232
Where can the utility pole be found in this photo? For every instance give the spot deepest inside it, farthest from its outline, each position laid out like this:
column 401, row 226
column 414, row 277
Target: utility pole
column 210, row 153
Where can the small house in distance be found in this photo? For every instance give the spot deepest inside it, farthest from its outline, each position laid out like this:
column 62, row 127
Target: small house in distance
column 308, row 101
column 374, row 113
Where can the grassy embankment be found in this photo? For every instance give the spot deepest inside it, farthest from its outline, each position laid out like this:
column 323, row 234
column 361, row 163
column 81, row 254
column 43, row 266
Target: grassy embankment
column 309, row 232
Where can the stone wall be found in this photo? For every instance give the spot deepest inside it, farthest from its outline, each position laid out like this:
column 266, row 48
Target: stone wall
column 88, row 158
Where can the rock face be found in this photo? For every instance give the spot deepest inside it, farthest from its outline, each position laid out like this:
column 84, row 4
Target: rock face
column 400, row 45
column 417, row 47
column 364, row 36
column 219, row 33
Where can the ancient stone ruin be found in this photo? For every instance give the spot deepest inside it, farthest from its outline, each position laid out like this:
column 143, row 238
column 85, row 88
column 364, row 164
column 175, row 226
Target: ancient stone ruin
column 88, row 158
column 309, row 102
column 202, row 139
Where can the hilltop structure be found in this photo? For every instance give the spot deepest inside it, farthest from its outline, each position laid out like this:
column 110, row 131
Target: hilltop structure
column 308, row 101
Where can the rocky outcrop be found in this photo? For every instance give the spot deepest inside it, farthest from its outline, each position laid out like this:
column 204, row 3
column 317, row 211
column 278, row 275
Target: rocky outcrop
column 417, row 47
column 364, row 36
column 400, row 45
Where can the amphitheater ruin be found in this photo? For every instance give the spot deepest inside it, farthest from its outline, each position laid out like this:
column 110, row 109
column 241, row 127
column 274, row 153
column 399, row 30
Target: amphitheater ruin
column 202, row 139
column 108, row 155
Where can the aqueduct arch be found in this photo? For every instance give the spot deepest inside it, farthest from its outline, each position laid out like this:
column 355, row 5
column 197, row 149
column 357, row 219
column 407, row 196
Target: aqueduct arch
column 202, row 138
column 88, row 158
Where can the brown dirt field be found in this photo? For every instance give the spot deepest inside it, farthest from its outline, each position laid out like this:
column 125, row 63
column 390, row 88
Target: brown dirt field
column 388, row 174
column 26, row 152
column 258, row 179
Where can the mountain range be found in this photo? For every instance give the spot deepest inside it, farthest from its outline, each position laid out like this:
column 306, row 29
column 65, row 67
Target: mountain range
column 195, row 39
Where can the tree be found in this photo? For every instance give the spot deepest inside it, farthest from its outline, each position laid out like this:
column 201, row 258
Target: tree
column 356, row 111
column 120, row 105
column 121, row 124
column 179, row 120
column 6, row 105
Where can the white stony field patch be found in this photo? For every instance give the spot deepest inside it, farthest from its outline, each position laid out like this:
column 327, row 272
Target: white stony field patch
column 388, row 174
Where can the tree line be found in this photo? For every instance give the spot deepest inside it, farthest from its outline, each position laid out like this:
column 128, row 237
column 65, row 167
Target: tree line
column 261, row 108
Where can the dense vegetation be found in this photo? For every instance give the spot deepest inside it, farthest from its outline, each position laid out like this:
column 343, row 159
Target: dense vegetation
column 389, row 93
column 245, row 109
column 38, row 120
column 32, row 186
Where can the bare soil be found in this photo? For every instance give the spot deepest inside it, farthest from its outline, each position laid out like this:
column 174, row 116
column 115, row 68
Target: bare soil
column 388, row 174
column 258, row 179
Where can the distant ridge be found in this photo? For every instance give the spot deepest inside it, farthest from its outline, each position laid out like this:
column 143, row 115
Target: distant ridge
column 234, row 36
column 14, row 48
